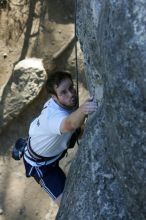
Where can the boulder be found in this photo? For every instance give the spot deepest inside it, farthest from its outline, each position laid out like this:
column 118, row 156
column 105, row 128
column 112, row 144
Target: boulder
column 23, row 87
column 107, row 177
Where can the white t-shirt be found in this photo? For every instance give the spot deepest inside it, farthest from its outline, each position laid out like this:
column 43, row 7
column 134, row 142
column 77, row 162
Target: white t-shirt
column 46, row 139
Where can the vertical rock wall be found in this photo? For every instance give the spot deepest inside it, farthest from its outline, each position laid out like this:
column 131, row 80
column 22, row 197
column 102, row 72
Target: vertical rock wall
column 107, row 179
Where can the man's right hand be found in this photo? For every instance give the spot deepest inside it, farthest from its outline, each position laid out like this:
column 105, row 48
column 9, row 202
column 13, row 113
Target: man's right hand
column 89, row 106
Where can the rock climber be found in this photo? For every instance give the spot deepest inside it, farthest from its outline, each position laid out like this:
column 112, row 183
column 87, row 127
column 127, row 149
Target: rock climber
column 51, row 131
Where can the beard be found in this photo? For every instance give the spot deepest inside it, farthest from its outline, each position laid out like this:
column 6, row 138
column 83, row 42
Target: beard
column 72, row 105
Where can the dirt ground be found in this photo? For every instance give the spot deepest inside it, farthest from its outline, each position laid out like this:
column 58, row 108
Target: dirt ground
column 22, row 198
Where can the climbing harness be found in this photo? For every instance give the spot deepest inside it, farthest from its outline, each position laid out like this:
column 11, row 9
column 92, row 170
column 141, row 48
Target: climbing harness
column 36, row 157
column 23, row 144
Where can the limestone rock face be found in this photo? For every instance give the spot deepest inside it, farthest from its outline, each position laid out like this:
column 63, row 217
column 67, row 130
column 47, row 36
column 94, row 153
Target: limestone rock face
column 24, row 85
column 107, row 179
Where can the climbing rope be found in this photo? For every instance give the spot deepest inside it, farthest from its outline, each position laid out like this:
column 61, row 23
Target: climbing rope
column 76, row 50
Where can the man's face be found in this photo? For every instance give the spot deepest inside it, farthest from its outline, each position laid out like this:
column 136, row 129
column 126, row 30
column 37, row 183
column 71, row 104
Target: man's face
column 66, row 94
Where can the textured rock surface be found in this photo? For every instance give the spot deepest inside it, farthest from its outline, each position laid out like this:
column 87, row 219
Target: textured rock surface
column 24, row 85
column 107, row 178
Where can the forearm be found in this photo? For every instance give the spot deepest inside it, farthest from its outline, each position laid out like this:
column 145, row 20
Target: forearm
column 73, row 121
column 76, row 119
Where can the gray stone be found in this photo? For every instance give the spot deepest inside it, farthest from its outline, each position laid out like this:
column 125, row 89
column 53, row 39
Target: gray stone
column 22, row 88
column 107, row 177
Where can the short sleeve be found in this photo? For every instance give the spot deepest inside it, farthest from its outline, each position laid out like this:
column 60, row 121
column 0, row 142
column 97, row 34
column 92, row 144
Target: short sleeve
column 55, row 122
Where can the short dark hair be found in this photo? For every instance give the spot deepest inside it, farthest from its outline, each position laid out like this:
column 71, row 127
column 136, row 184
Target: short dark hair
column 55, row 79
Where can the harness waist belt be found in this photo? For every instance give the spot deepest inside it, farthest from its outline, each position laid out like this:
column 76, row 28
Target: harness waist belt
column 36, row 157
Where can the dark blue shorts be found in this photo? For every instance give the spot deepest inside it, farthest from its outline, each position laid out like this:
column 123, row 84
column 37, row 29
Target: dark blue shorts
column 50, row 177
